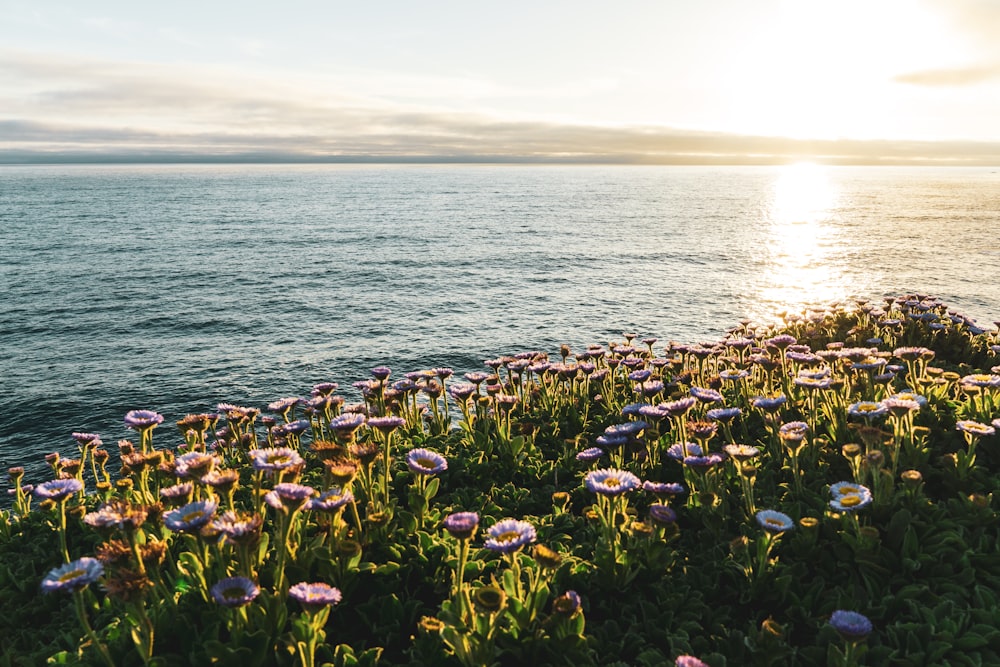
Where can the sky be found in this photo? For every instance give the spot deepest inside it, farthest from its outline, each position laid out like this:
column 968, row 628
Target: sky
column 664, row 81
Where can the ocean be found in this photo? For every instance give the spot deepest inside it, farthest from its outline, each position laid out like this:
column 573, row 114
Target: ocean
column 176, row 287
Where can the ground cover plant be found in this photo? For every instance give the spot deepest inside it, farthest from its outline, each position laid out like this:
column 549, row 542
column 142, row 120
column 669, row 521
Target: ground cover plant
column 815, row 493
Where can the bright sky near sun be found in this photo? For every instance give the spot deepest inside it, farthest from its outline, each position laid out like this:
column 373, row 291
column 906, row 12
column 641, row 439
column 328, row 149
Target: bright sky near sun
column 663, row 80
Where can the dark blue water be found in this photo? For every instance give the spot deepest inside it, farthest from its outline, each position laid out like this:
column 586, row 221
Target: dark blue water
column 177, row 287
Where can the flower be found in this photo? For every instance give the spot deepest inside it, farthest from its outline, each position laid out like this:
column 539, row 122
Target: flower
column 272, row 459
column 867, row 410
column 611, row 482
column 509, row 535
column 689, row 661
column 197, row 464
column 140, row 420
column 679, row 450
column 461, row 525
column 240, row 528
column 567, row 604
column 116, row 514
column 315, row 596
column 851, row 625
column 590, row 454
column 426, row 462
column 847, row 500
column 330, row 500
column 741, row 452
column 793, row 431
column 288, row 495
column 847, row 489
column 662, row 515
column 234, row 591
column 386, row 424
column 190, row 517
column 723, row 414
column 774, row 522
column 663, row 488
column 73, row 576
column 706, row 395
column 58, row 489
column 974, row 428
column 769, row 403
column 347, row 423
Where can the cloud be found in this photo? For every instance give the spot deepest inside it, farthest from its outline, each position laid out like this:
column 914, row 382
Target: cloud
column 959, row 76
column 57, row 109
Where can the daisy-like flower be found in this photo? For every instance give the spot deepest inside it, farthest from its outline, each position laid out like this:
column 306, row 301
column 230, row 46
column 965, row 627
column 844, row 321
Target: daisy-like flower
column 867, row 410
column 386, row 424
column 315, row 596
column 611, row 482
column 706, row 395
column 781, row 341
column 723, row 414
column 733, row 375
column 85, row 439
column 274, row 459
column 703, row 463
column 680, row 406
column 847, row 489
column 194, row 464
column 425, row 461
column 288, row 495
column 981, row 380
column 567, row 604
column 347, row 423
column 330, row 500
column 190, row 517
column 678, row 452
column 178, row 493
column 663, row 489
column 462, row 391
column 851, row 625
column 974, row 428
column 73, row 576
column 662, row 515
column 461, row 525
column 913, row 353
column 234, row 591
column 793, row 431
column 774, row 522
column 140, row 420
column 116, row 514
column 900, row 406
column 851, row 502
column 689, row 661
column 907, row 395
column 58, row 489
column 626, row 430
column 741, row 452
column 509, row 535
column 769, row 403
column 240, row 528
column 590, row 454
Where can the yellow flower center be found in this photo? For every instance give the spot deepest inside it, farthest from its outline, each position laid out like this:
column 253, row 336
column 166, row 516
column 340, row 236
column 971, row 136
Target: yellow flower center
column 850, row 500
column 71, row 575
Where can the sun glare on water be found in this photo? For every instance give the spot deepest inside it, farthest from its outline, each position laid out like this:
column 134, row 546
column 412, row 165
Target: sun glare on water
column 802, row 238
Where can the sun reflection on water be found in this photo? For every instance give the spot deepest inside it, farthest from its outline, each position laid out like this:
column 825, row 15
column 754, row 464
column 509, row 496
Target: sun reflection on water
column 802, row 240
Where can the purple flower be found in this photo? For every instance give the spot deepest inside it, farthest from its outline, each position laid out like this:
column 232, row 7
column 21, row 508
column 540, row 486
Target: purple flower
column 234, row 591
column 741, row 452
column 190, row 517
column 663, row 488
column 677, row 451
column 330, row 500
column 381, row 373
column 662, row 515
column 386, row 424
column 706, row 395
column 315, row 596
column 140, row 420
column 974, row 428
column 426, row 462
column 271, row 459
column 237, row 527
column 689, row 661
column 73, row 576
column 87, row 439
column 347, row 423
column 851, row 625
column 590, row 454
column 288, row 495
column 793, row 431
column 58, row 489
column 462, row 391
column 774, row 522
column 610, row 482
column 780, row 341
column 509, row 535
column 723, row 414
column 769, row 403
column 680, row 406
column 461, row 525
column 567, row 604
column 283, row 405
column 867, row 410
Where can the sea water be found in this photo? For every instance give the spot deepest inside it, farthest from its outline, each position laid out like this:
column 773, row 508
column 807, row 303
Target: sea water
column 176, row 287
